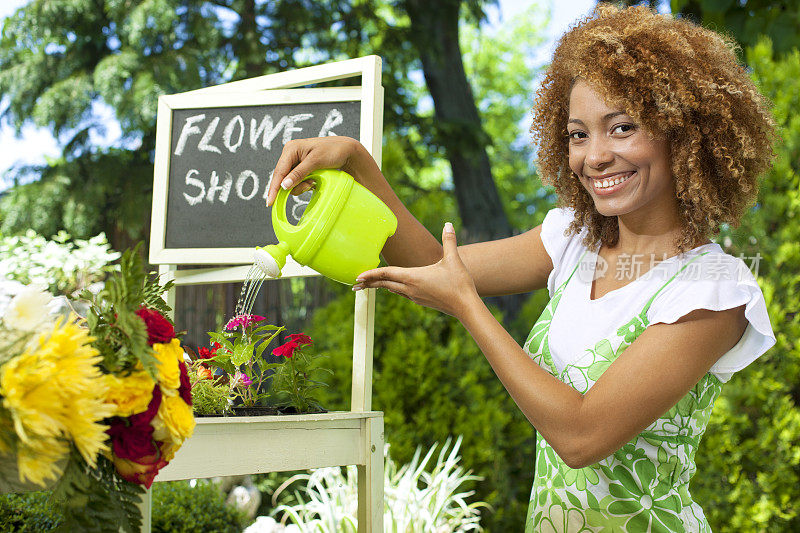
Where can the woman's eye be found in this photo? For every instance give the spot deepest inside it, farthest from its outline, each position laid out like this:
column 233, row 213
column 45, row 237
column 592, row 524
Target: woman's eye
column 576, row 135
column 623, row 128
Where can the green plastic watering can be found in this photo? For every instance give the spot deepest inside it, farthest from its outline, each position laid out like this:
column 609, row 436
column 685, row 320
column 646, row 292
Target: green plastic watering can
column 340, row 234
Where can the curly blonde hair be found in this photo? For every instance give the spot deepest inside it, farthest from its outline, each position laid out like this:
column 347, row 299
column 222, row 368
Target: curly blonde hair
column 678, row 80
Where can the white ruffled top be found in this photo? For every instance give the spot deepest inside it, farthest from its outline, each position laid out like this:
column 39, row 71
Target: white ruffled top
column 715, row 281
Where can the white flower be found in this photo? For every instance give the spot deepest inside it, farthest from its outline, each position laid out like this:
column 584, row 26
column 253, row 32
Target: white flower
column 28, row 310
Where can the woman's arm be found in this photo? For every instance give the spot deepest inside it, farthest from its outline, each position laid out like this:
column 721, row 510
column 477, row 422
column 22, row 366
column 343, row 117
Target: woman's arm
column 650, row 376
column 505, row 266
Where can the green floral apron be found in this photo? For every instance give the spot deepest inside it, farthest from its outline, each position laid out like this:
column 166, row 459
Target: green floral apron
column 643, row 486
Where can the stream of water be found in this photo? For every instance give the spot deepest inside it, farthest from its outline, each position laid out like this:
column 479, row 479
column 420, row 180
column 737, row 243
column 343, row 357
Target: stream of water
column 252, row 284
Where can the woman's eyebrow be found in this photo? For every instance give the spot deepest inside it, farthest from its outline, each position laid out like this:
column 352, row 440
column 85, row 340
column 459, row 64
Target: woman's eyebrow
column 606, row 117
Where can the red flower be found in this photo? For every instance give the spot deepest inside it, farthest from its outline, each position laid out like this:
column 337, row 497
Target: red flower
column 287, row 349
column 205, row 353
column 300, row 338
column 132, row 442
column 185, row 388
column 159, row 329
column 142, row 471
column 204, row 373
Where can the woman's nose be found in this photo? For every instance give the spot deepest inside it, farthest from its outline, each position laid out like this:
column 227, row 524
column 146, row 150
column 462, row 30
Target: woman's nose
column 598, row 153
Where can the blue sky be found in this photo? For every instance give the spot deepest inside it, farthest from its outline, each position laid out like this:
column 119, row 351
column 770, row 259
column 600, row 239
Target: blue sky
column 36, row 143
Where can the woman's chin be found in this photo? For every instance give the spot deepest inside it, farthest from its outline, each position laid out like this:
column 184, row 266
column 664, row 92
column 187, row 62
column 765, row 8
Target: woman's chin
column 610, row 208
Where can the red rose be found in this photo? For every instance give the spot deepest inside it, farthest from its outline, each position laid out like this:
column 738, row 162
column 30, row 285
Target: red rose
column 132, row 442
column 287, row 349
column 159, row 329
column 185, row 388
column 142, row 472
column 144, row 418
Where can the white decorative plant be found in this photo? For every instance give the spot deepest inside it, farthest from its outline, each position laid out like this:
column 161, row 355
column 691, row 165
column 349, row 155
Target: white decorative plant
column 62, row 265
column 415, row 499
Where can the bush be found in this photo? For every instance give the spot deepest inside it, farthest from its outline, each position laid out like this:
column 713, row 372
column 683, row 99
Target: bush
column 431, row 381
column 28, row 512
column 64, row 265
column 749, row 461
column 180, row 508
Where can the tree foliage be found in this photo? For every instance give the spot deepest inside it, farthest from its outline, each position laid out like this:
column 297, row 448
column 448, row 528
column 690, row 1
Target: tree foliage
column 748, row 20
column 744, row 20
column 63, row 62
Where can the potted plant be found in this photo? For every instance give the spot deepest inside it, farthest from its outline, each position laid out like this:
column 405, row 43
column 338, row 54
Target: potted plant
column 293, row 383
column 233, row 376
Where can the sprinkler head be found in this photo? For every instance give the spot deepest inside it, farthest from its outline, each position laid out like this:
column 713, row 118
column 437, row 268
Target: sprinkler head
column 268, row 264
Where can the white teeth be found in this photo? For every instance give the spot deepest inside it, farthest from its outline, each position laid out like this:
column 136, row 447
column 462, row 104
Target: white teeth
column 610, row 183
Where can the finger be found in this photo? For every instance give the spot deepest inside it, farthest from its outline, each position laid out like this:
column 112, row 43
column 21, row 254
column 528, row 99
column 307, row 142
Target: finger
column 449, row 240
column 303, row 187
column 289, row 158
column 391, row 286
column 389, row 273
column 292, row 178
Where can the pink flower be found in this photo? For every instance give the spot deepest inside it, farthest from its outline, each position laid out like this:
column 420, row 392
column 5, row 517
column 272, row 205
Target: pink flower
column 243, row 321
column 240, row 378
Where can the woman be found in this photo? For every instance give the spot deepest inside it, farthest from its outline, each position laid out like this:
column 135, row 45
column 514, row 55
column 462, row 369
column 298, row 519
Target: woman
column 653, row 136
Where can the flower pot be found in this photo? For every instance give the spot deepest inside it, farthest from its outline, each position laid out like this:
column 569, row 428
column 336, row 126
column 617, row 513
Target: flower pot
column 260, row 410
column 256, row 410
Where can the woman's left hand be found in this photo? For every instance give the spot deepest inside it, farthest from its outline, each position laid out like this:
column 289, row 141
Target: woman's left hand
column 446, row 286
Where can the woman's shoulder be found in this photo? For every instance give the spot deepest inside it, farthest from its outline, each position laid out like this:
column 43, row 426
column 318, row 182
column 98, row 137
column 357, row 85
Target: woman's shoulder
column 709, row 278
column 563, row 247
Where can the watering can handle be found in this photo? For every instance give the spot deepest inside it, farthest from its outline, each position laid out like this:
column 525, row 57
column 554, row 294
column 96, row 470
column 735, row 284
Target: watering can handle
column 279, row 207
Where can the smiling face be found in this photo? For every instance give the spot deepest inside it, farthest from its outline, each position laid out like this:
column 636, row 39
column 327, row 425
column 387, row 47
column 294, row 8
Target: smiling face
column 624, row 170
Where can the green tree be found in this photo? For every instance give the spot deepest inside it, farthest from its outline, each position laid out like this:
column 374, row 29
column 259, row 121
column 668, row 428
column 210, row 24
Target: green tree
column 60, row 59
column 748, row 20
column 745, row 20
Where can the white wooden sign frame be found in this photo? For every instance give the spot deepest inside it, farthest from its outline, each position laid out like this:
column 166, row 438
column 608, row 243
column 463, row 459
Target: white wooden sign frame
column 248, row 445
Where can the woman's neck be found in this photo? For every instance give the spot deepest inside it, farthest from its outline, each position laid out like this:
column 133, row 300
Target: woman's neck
column 653, row 232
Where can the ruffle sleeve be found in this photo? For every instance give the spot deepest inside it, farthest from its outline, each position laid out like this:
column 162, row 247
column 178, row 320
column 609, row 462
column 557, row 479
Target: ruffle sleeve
column 553, row 226
column 717, row 282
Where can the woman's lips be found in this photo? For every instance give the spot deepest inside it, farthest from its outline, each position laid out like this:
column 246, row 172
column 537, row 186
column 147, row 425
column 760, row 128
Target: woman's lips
column 605, row 191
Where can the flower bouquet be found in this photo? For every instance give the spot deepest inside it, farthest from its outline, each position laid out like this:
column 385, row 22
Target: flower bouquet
column 253, row 384
column 92, row 406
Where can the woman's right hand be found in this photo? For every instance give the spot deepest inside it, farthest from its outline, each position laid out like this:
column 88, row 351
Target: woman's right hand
column 300, row 157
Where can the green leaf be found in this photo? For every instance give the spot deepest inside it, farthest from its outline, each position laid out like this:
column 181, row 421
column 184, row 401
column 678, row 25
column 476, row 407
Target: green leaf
column 241, row 354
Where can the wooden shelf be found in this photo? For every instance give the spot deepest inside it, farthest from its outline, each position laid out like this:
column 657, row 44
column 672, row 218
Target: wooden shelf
column 229, row 446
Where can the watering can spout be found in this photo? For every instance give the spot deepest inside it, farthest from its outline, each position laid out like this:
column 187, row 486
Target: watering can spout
column 271, row 258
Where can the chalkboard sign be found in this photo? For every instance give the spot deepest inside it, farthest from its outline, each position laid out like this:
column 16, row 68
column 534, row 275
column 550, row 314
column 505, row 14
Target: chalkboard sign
column 221, row 160
column 214, row 159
